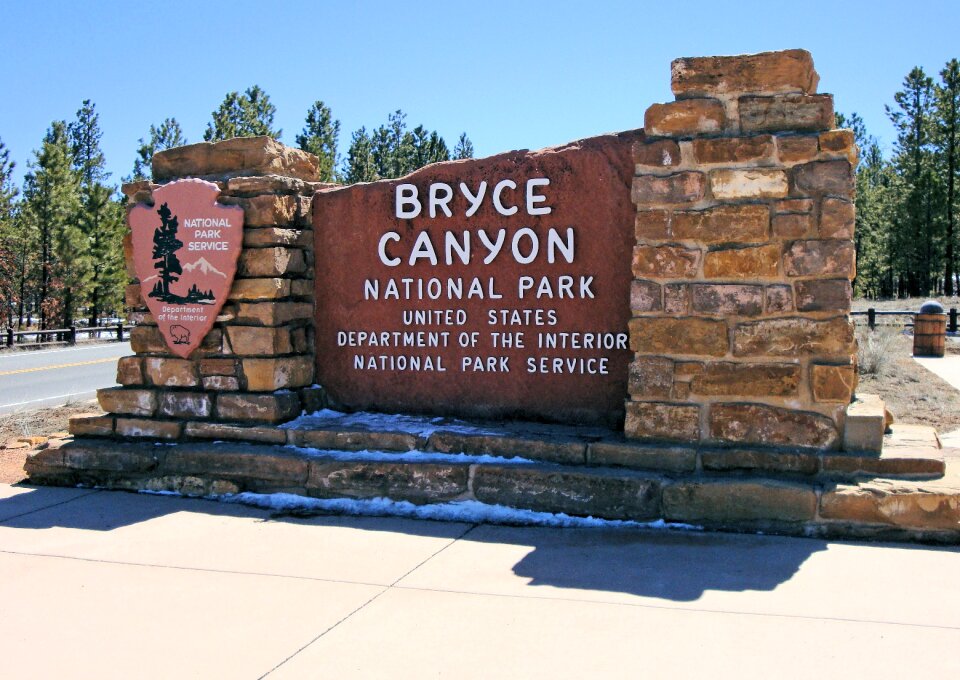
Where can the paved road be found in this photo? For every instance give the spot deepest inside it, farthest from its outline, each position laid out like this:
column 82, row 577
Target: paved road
column 99, row 584
column 30, row 380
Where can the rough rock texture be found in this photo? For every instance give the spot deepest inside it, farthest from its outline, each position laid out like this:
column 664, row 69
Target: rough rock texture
column 241, row 156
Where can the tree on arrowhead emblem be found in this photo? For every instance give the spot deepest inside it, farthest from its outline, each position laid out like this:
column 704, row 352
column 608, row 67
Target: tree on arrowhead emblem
column 165, row 247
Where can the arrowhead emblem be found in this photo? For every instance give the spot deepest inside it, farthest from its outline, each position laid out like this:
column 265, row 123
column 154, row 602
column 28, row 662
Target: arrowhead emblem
column 185, row 251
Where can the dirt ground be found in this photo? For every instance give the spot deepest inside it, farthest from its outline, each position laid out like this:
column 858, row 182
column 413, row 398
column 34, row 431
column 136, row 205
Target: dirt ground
column 40, row 423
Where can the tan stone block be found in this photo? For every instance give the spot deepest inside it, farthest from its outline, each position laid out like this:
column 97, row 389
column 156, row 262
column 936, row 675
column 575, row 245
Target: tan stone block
column 257, row 340
column 361, row 440
column 676, row 298
column 820, row 258
column 686, row 118
column 652, row 335
column 147, row 340
column 767, row 72
column 742, row 263
column 893, row 504
column 269, row 435
column 798, row 149
column 788, row 112
column 259, row 289
column 830, row 295
column 825, row 177
column 837, row 218
column 793, row 205
column 185, row 405
column 754, row 460
column 644, row 456
column 652, row 225
column 865, row 424
column 141, row 427
column 91, row 426
column 559, row 450
column 771, row 425
column 729, row 150
column 264, row 408
column 671, row 262
column 273, row 313
column 645, row 296
column 795, row 336
column 128, row 401
column 301, row 339
column 659, row 421
column 301, row 288
column 748, row 184
column 130, row 371
column 267, row 375
column 277, row 236
column 832, row 383
column 271, row 262
column 748, row 380
column 131, row 189
column 723, row 224
column 792, row 225
column 421, row 483
column 727, row 299
column 266, row 210
column 778, row 299
column 132, row 297
column 265, row 184
column 273, row 466
column 650, row 377
column 681, row 187
column 235, row 157
column 839, row 143
column 217, row 366
column 171, row 372
column 221, row 383
column 738, row 500
column 662, row 153
column 128, row 255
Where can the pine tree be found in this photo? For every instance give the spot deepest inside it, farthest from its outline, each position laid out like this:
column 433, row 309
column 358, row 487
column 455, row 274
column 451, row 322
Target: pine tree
column 167, row 136
column 464, row 147
column 85, row 136
column 948, row 150
column 243, row 115
column 915, row 238
column 360, row 165
column 51, row 195
column 165, row 247
column 319, row 137
column 8, row 237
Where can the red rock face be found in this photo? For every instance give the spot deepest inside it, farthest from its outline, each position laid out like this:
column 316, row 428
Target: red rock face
column 185, row 250
column 530, row 323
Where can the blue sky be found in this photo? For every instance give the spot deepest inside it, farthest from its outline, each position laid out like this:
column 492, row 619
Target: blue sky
column 510, row 74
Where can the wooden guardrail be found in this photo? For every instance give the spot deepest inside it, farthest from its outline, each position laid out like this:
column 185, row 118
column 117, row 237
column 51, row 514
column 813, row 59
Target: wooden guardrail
column 872, row 315
column 67, row 335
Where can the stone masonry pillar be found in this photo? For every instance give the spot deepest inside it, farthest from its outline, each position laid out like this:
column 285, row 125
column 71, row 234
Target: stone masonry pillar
column 256, row 364
column 744, row 258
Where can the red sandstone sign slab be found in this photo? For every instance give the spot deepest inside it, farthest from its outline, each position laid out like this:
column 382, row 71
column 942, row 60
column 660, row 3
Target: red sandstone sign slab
column 497, row 287
column 185, row 250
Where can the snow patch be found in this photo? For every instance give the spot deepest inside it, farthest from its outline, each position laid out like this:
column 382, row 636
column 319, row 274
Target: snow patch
column 383, row 422
column 414, row 456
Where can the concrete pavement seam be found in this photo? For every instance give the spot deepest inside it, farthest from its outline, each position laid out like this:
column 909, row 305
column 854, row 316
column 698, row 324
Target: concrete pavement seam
column 47, row 507
column 365, row 604
column 692, row 610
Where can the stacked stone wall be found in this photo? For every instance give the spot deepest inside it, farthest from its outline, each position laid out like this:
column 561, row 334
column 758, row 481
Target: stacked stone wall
column 256, row 364
column 743, row 259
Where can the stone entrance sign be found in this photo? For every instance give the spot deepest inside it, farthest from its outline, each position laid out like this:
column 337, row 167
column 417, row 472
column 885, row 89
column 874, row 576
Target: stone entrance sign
column 497, row 287
column 185, row 251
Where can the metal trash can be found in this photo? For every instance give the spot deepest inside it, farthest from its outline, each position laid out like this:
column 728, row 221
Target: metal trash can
column 930, row 330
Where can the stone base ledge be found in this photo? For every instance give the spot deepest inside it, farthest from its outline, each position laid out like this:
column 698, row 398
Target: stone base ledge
column 909, row 451
column 881, row 508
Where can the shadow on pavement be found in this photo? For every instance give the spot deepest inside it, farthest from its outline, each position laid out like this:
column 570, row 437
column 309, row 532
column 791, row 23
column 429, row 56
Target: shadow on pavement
column 670, row 565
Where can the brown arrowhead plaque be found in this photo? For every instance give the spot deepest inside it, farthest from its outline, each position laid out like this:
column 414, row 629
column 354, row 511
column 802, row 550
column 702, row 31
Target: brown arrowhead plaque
column 185, row 250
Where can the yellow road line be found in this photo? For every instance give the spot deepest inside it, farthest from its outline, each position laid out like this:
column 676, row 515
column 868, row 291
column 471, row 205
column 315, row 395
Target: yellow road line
column 50, row 368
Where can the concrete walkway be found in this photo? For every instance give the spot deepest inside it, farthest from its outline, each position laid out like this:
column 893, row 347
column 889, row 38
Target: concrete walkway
column 97, row 584
column 948, row 369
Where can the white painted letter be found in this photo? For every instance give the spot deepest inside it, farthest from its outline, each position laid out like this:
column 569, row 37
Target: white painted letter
column 407, row 195
column 475, row 201
column 554, row 243
column 442, row 201
column 501, row 185
column 452, row 244
column 423, row 248
column 533, row 198
column 494, row 248
column 534, row 248
column 389, row 261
